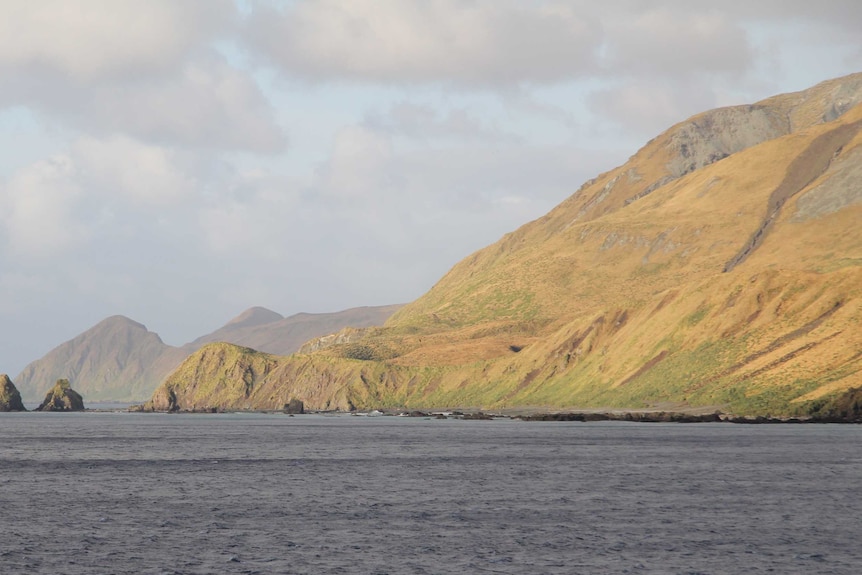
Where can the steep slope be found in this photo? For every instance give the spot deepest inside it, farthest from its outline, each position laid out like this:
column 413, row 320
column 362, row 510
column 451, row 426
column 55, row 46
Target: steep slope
column 269, row 332
column 721, row 265
column 10, row 399
column 62, row 397
column 117, row 359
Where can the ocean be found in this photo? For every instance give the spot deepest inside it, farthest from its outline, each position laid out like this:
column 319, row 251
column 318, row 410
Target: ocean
column 91, row 493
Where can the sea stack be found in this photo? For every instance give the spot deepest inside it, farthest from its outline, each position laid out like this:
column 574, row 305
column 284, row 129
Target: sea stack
column 10, row 399
column 62, row 398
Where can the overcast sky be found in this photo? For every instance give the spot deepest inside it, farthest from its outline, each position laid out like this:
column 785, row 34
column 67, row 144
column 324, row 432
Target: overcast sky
column 180, row 161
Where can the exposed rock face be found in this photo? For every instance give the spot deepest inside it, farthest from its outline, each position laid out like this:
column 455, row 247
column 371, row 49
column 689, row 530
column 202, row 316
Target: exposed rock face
column 10, row 399
column 62, row 397
column 294, row 406
column 715, row 135
column 346, row 335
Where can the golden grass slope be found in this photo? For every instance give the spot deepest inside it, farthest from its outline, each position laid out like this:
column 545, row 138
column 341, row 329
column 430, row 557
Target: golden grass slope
column 721, row 266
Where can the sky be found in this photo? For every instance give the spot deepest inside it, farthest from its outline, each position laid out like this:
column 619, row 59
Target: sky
column 178, row 162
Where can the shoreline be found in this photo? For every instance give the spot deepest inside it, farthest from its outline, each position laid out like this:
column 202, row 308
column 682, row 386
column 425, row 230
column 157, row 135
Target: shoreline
column 583, row 416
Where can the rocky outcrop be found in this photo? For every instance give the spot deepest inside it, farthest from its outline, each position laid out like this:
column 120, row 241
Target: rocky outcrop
column 294, row 406
column 346, row 335
column 62, row 397
column 217, row 376
column 10, row 399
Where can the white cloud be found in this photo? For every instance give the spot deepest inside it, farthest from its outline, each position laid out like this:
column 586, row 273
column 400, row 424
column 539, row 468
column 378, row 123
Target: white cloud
column 427, row 123
column 145, row 175
column 479, row 43
column 85, row 41
column 208, row 104
column 38, row 210
column 647, row 106
column 147, row 69
column 358, row 168
column 100, row 190
column 258, row 220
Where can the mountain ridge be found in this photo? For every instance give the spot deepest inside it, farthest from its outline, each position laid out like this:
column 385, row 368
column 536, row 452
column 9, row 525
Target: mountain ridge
column 631, row 292
column 119, row 359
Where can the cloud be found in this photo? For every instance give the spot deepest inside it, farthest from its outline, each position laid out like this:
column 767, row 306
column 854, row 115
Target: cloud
column 204, row 103
column 479, row 43
column 359, row 165
column 100, row 190
column 146, row 69
column 208, row 104
column 647, row 106
column 255, row 216
column 101, row 39
column 427, row 123
column 676, row 43
column 38, row 210
column 119, row 167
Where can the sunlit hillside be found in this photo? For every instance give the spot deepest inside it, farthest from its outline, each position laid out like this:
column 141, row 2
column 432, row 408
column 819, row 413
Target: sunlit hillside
column 720, row 266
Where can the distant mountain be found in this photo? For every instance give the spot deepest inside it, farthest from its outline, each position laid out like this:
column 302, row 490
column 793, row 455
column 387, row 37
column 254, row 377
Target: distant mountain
column 266, row 331
column 118, row 359
column 720, row 266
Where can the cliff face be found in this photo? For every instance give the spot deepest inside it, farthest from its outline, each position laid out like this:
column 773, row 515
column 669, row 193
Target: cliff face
column 219, row 374
column 720, row 266
column 223, row 376
column 10, row 399
column 62, row 397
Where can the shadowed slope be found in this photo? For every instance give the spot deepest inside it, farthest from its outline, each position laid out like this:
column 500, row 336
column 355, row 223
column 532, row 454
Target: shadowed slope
column 117, row 359
column 266, row 331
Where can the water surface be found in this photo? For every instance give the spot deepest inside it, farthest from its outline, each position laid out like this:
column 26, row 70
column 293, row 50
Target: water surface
column 86, row 493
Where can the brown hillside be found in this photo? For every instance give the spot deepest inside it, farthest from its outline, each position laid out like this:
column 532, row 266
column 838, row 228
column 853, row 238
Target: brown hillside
column 720, row 266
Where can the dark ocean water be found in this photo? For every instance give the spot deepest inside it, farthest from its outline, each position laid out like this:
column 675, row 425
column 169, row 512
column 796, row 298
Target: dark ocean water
column 195, row 494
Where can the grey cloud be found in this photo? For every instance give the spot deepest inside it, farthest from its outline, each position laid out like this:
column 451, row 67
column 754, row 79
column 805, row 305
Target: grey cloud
column 203, row 103
column 673, row 43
